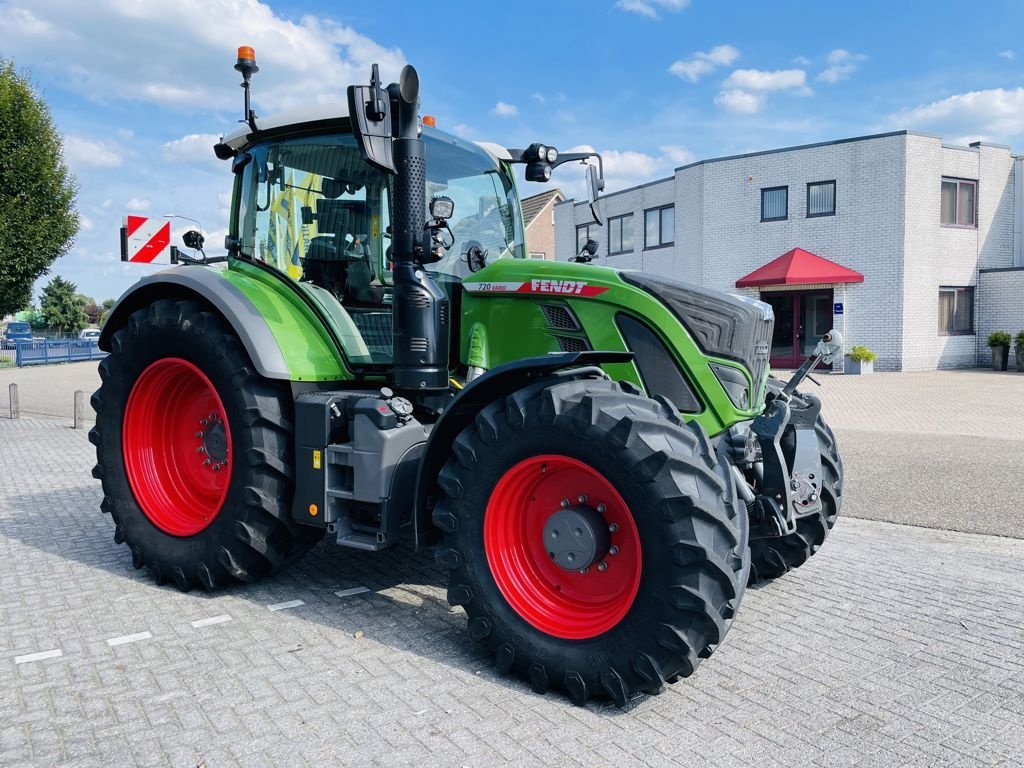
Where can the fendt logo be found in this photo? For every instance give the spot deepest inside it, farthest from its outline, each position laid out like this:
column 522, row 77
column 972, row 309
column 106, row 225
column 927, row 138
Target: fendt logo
column 560, row 287
column 557, row 286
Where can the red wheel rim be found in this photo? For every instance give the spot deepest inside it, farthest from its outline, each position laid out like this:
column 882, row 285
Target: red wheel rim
column 177, row 446
column 567, row 604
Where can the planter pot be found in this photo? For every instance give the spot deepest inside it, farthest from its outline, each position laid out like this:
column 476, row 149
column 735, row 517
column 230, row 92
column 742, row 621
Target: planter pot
column 859, row 367
column 1020, row 358
column 1000, row 357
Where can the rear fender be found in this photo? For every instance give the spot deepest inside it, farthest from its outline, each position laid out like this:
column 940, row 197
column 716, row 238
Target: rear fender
column 485, row 389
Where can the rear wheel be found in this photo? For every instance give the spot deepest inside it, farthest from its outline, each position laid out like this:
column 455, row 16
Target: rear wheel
column 773, row 557
column 194, row 450
column 594, row 540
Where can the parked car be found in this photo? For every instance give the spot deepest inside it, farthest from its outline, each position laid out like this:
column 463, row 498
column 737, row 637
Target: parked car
column 89, row 334
column 16, row 331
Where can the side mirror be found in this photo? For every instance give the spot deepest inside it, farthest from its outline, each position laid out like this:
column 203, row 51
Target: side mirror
column 193, row 239
column 369, row 110
column 594, row 185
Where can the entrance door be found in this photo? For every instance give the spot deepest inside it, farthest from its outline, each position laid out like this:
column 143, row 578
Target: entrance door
column 801, row 319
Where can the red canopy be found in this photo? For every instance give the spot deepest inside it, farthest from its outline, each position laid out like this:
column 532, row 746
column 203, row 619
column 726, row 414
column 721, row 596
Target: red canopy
column 799, row 267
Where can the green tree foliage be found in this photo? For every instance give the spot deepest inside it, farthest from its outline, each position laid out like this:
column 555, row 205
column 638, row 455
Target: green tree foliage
column 38, row 222
column 108, row 304
column 62, row 307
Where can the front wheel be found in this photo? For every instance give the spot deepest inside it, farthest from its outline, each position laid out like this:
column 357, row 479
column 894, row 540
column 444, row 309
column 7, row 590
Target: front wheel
column 594, row 540
column 194, row 451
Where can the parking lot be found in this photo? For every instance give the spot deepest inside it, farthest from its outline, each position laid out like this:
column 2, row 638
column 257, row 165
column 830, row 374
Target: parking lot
column 900, row 643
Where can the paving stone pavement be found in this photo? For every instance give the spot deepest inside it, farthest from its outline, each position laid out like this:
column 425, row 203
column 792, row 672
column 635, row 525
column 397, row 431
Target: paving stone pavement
column 893, row 646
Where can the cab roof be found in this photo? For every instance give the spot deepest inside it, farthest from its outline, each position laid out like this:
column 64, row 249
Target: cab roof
column 327, row 116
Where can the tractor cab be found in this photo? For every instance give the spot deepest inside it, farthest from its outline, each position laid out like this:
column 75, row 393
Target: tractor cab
column 308, row 205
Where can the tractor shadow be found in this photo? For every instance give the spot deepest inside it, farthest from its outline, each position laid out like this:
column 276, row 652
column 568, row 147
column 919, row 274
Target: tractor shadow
column 405, row 607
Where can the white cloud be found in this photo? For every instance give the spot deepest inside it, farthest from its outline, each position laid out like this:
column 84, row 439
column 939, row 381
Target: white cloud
column 110, row 50
column 801, row 61
column 193, row 149
column 538, row 97
column 703, row 62
column 461, row 130
column 841, row 64
column 677, row 155
column 762, row 81
column 650, row 8
column 1007, row 54
column 740, row 102
column 137, row 205
column 743, row 91
column 996, row 114
column 625, row 168
column 501, row 109
column 81, row 152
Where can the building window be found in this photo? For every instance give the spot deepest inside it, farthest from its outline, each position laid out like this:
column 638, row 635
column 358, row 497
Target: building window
column 582, row 235
column 775, row 204
column 537, row 255
column 821, row 199
column 620, row 234
column 659, row 226
column 959, row 203
column 956, row 311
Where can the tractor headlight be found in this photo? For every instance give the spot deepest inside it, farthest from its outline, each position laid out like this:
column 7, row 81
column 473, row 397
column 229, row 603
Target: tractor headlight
column 734, row 383
column 442, row 207
column 551, row 154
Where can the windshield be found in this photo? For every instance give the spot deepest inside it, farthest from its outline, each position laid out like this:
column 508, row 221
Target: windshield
column 313, row 209
column 315, row 199
column 18, row 328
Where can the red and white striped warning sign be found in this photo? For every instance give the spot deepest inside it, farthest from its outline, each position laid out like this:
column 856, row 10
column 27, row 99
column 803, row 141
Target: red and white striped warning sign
column 146, row 241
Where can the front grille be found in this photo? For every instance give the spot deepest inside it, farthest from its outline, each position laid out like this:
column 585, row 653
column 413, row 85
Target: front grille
column 560, row 318
column 572, row 344
column 417, row 344
column 762, row 353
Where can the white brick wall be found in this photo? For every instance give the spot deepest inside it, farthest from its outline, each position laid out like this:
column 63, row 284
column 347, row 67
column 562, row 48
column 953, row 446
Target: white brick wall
column 1000, row 299
column 887, row 226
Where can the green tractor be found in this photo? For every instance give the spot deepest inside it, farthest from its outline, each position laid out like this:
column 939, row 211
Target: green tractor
column 599, row 457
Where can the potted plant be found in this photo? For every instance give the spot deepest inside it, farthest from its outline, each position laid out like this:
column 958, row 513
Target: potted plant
column 860, row 361
column 1019, row 341
column 999, row 341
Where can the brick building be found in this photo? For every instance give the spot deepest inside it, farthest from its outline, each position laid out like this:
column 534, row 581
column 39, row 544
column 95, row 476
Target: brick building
column 539, row 218
column 907, row 245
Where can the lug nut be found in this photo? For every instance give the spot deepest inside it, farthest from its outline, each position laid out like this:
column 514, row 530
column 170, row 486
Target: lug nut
column 564, row 503
column 203, row 422
column 585, row 571
column 582, row 499
column 602, row 566
column 199, row 434
column 602, row 508
column 216, row 467
column 613, row 550
column 206, row 462
column 614, row 527
column 200, row 449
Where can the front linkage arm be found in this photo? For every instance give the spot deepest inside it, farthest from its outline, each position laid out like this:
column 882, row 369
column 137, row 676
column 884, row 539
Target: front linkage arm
column 788, row 493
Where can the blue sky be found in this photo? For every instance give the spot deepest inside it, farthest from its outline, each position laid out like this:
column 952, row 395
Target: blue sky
column 141, row 88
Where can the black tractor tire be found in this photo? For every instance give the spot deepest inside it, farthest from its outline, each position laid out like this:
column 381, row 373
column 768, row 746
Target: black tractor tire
column 250, row 533
column 773, row 557
column 691, row 532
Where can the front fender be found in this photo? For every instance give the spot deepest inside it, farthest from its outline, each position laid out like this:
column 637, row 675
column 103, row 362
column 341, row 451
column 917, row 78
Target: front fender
column 485, row 389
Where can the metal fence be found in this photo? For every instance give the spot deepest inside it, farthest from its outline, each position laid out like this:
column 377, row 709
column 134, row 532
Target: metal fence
column 46, row 351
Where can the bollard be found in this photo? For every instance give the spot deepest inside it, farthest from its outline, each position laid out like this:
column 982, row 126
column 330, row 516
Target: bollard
column 15, row 410
column 79, row 409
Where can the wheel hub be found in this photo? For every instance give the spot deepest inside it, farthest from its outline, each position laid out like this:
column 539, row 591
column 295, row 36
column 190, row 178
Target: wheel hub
column 576, row 537
column 215, row 440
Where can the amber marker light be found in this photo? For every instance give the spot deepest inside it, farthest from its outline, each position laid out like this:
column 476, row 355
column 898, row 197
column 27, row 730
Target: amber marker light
column 430, row 120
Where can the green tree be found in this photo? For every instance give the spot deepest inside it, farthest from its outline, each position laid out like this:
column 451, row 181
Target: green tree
column 38, row 222
column 108, row 304
column 62, row 307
